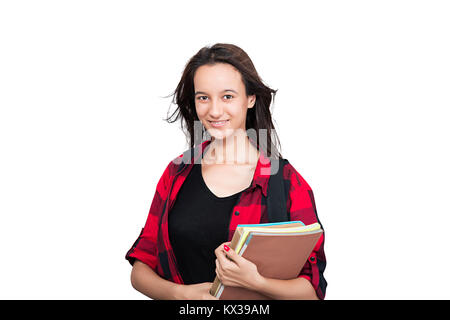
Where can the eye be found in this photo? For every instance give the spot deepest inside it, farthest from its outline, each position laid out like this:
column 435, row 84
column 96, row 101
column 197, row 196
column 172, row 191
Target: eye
column 199, row 98
column 228, row 95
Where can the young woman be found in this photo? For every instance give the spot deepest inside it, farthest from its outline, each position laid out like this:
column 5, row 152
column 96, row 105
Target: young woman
column 217, row 184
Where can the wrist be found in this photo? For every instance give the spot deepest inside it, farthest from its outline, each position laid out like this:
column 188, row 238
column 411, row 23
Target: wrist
column 259, row 283
column 179, row 292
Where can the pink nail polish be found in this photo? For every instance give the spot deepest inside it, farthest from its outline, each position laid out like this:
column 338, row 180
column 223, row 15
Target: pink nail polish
column 226, row 248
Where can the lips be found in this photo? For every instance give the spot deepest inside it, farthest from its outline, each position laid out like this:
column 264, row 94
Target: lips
column 218, row 124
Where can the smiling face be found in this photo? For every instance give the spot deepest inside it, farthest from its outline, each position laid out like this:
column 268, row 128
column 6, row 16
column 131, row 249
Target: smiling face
column 221, row 102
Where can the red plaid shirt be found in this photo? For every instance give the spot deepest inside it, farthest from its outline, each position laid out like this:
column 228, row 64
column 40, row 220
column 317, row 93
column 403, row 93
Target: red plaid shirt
column 153, row 247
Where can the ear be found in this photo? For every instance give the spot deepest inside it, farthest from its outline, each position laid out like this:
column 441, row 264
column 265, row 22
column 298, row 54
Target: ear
column 251, row 101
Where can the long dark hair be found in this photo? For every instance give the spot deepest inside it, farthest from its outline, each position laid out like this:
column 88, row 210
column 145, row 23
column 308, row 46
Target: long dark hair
column 258, row 117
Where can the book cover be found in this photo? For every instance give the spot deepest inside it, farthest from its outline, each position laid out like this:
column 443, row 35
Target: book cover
column 279, row 251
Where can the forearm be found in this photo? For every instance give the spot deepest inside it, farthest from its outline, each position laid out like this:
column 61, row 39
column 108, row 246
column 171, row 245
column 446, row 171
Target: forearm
column 295, row 289
column 146, row 281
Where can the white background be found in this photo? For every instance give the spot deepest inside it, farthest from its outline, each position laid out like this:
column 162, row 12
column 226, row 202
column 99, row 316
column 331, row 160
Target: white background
column 361, row 111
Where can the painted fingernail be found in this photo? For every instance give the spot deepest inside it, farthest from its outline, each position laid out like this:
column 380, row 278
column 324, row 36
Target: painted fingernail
column 226, row 248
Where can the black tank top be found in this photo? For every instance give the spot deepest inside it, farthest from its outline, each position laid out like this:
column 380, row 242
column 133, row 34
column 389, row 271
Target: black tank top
column 198, row 224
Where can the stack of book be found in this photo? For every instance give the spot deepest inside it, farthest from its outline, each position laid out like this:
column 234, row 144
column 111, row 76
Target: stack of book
column 279, row 250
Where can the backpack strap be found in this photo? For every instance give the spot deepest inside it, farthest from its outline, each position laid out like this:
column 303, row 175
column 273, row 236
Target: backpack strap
column 276, row 194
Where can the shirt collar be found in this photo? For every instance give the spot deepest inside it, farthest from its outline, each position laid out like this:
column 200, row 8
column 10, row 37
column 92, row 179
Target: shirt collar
column 262, row 171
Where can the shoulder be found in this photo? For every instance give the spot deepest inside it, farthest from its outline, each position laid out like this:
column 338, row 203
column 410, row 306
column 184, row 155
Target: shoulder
column 188, row 156
column 170, row 171
column 179, row 162
column 301, row 201
column 294, row 178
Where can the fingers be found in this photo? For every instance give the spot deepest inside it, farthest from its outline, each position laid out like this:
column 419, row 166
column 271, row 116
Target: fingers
column 232, row 255
column 222, row 247
column 226, row 273
column 226, row 266
column 223, row 262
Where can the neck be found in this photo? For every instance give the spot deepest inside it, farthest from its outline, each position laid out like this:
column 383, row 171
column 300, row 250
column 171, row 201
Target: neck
column 234, row 149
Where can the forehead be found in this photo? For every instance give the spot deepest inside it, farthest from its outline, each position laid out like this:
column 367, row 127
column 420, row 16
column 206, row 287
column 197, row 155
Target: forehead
column 217, row 77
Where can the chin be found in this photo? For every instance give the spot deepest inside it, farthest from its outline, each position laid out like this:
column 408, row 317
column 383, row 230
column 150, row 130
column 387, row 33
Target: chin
column 220, row 134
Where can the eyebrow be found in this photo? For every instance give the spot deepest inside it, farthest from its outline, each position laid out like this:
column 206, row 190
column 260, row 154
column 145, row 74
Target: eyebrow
column 201, row 92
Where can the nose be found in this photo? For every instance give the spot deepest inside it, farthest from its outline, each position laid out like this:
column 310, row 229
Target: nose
column 215, row 109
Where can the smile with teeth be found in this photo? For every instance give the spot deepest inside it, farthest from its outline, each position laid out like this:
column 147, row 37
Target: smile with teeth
column 218, row 123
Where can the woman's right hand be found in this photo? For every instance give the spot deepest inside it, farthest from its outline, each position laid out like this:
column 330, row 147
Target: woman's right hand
column 199, row 291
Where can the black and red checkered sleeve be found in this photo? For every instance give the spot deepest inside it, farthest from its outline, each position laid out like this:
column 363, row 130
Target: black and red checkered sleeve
column 145, row 247
column 302, row 206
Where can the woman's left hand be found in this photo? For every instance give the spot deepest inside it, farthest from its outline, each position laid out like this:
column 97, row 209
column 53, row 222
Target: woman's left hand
column 234, row 270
